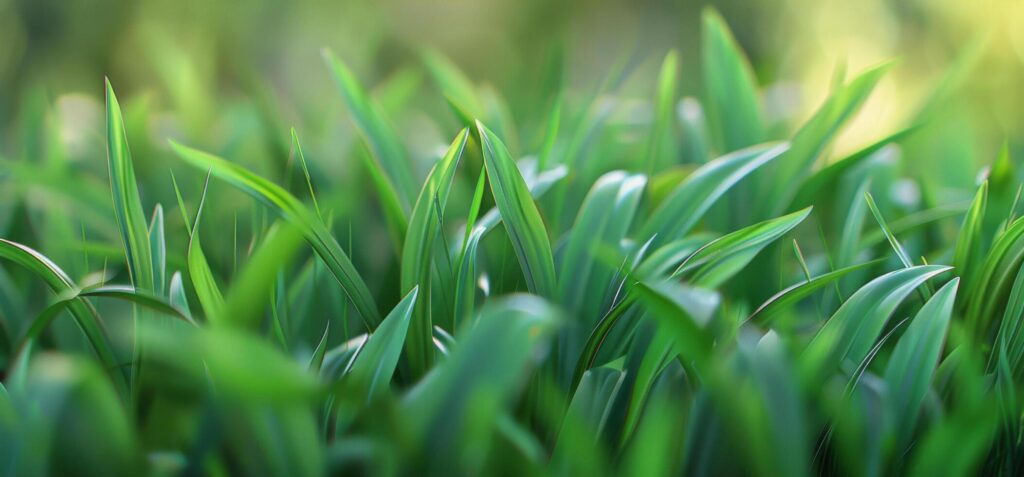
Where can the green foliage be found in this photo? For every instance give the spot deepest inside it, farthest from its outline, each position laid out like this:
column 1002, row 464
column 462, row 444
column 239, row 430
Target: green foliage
column 676, row 280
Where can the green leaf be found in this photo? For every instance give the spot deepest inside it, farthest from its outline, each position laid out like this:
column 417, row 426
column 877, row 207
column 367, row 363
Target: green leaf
column 85, row 315
column 1010, row 338
column 120, row 292
column 456, row 87
column 682, row 312
column 1003, row 191
column 240, row 365
column 853, row 329
column 203, row 282
column 384, row 144
column 893, row 242
column 158, row 244
column 986, row 299
column 665, row 259
column 968, row 251
column 522, row 219
column 451, row 413
column 658, row 155
column 371, row 370
column 819, row 186
column 913, row 361
column 417, row 253
column 288, row 207
column 793, row 294
column 811, row 140
column 316, row 360
column 127, row 206
column 587, row 416
column 177, row 297
column 604, row 219
column 251, row 288
column 688, row 202
column 730, row 88
column 721, row 258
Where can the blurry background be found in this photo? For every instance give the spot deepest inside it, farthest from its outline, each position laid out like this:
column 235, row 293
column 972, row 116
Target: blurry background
column 168, row 47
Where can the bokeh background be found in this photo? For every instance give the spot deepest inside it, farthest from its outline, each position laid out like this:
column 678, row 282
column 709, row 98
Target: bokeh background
column 173, row 49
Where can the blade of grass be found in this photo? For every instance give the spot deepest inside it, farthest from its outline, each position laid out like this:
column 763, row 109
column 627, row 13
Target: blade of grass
column 730, row 88
column 203, row 282
column 688, row 202
column 127, row 206
column 913, row 361
column 811, row 140
column 522, row 219
column 664, row 101
column 286, row 205
column 85, row 315
column 852, row 330
column 247, row 297
column 384, row 144
column 417, row 254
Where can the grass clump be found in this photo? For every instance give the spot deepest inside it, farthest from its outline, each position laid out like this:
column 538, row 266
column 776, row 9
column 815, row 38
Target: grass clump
column 701, row 292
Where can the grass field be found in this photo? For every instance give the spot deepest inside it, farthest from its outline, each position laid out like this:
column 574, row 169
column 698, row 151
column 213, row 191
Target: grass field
column 417, row 274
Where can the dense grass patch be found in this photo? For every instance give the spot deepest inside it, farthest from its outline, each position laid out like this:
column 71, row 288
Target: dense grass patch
column 600, row 284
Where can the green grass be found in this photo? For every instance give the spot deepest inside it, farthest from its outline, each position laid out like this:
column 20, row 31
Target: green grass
column 558, row 292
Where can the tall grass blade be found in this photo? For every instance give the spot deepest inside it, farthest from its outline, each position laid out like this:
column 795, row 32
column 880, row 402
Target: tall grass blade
column 522, row 219
column 286, row 205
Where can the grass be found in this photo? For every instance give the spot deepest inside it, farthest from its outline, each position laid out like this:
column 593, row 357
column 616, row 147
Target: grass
column 559, row 293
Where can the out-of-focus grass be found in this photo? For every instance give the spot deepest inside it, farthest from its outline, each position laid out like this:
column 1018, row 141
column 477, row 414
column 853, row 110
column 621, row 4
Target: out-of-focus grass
column 658, row 260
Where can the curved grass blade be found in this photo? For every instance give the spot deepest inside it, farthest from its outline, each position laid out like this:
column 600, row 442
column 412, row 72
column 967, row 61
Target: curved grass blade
column 285, row 204
column 127, row 206
column 658, row 154
column 665, row 259
column 901, row 253
column 1010, row 338
column 851, row 332
column 456, row 87
column 120, row 292
column 316, row 360
column 913, row 361
column 417, row 252
column 455, row 408
column 968, row 251
column 988, row 293
column 726, row 255
column 604, row 219
column 210, row 297
column 85, row 315
column 913, row 221
column 896, row 246
column 793, row 294
column 588, row 415
column 812, row 139
column 384, row 144
column 538, row 184
column 688, row 202
column 522, row 219
column 683, row 312
column 730, row 88
column 370, row 371
column 820, row 182
column 251, row 289
column 158, row 245
column 176, row 294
